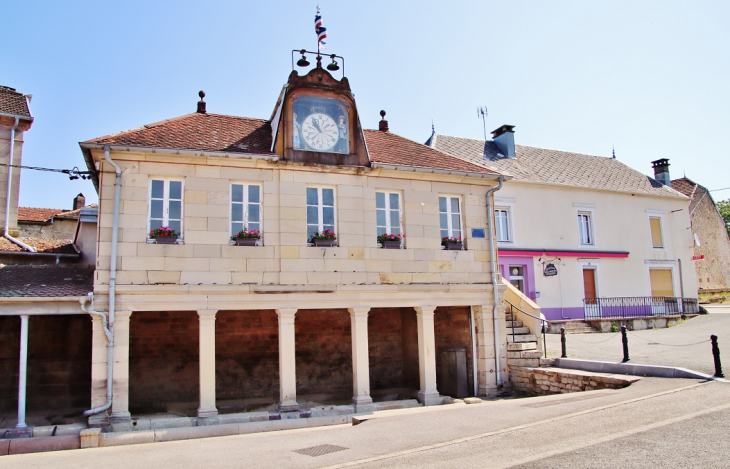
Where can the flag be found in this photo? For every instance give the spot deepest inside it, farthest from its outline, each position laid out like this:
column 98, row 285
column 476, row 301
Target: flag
column 320, row 30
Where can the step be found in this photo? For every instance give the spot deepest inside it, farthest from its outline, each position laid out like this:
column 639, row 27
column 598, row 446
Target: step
column 518, row 330
column 514, row 324
column 526, row 362
column 522, row 346
column 510, row 317
column 521, row 338
column 524, row 354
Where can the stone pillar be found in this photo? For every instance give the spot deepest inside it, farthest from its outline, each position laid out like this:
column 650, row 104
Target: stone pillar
column 120, row 401
column 360, row 360
column 98, row 370
column 207, row 364
column 428, row 394
column 287, row 361
column 486, row 362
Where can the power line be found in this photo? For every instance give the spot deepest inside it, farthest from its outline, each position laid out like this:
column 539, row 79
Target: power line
column 74, row 173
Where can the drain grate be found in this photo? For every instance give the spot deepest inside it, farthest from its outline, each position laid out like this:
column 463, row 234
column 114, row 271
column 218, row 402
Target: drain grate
column 320, row 450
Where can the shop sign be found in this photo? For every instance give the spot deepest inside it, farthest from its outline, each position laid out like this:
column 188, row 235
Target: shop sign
column 701, row 257
column 550, row 270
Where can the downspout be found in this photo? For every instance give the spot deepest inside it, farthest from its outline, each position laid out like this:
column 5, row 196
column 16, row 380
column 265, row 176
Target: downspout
column 115, row 236
column 493, row 263
column 109, row 358
column 6, row 226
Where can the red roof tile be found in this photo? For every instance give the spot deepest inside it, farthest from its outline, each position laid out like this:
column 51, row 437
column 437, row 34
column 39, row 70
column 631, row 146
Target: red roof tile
column 12, row 102
column 49, row 246
column 38, row 214
column 210, row 132
column 48, row 281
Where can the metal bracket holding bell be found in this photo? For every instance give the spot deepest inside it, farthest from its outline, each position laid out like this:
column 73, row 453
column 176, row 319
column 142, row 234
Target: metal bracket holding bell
column 333, row 66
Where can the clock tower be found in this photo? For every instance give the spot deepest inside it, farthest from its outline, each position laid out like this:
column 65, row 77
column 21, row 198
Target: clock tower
column 315, row 120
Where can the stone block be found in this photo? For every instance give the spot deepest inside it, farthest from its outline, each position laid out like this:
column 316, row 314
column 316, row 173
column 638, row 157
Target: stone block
column 205, row 278
column 439, row 266
column 163, row 277
column 238, row 278
column 89, row 438
column 289, row 252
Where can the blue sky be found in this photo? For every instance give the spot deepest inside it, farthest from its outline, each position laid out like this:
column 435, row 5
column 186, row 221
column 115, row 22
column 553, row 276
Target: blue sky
column 649, row 77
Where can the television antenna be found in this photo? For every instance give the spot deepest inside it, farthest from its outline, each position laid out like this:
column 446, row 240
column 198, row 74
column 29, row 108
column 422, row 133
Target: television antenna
column 482, row 113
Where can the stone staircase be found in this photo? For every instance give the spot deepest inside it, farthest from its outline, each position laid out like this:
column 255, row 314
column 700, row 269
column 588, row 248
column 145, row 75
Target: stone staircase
column 521, row 344
column 573, row 327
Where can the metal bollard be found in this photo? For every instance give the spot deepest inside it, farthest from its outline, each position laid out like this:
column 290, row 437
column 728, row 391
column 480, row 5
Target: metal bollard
column 625, row 340
column 562, row 342
column 716, row 356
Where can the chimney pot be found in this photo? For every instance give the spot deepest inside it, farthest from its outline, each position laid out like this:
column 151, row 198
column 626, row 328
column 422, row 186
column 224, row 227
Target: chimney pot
column 201, row 103
column 661, row 171
column 79, row 201
column 383, row 124
column 504, row 138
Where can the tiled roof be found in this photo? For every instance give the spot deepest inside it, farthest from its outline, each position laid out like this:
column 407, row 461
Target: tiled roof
column 197, row 131
column 12, row 102
column 685, row 186
column 693, row 190
column 49, row 281
column 45, row 214
column 48, row 246
column 389, row 148
column 72, row 214
column 540, row 165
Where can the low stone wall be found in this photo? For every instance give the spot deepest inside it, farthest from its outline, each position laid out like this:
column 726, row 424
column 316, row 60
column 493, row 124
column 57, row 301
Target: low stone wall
column 632, row 324
column 545, row 381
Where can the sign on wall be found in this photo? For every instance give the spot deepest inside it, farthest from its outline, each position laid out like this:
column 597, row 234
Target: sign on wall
column 550, row 270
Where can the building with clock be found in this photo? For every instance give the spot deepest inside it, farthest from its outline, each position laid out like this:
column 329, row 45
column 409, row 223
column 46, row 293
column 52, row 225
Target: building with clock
column 254, row 268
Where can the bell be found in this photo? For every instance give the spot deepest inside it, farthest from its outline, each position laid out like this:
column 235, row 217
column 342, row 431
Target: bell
column 333, row 66
column 303, row 62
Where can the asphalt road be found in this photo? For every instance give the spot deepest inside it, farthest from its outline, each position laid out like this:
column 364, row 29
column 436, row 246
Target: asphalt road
column 670, row 422
column 686, row 345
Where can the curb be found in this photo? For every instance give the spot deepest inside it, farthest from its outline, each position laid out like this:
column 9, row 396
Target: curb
column 653, row 371
column 39, row 444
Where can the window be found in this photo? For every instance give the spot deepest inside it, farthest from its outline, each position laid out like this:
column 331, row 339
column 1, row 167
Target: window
column 661, row 282
column 450, row 214
column 657, row 240
column 517, row 277
column 320, row 210
column 245, row 207
column 585, row 227
column 166, row 205
column 503, row 222
column 387, row 213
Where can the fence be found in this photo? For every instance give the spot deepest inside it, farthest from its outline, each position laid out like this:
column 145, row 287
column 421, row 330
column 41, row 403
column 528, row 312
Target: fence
column 638, row 306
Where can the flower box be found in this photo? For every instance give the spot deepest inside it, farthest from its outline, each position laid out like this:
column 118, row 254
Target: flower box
column 391, row 244
column 165, row 239
column 246, row 241
column 325, row 243
column 454, row 247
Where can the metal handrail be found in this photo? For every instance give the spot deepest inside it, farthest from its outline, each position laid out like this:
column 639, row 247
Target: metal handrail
column 542, row 325
column 637, row 306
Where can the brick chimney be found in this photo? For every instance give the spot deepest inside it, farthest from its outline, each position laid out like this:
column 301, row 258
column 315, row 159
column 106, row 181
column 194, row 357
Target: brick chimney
column 79, row 201
column 504, row 138
column 383, row 124
column 661, row 171
column 201, row 103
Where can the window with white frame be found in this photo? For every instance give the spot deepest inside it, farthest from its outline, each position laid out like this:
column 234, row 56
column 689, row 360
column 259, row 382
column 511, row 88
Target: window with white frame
column 245, row 207
column 585, row 227
column 503, row 220
column 657, row 237
column 320, row 210
column 450, row 216
column 388, row 213
column 165, row 204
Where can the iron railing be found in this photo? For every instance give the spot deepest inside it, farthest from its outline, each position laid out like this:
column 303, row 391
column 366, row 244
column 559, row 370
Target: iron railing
column 543, row 324
column 638, row 306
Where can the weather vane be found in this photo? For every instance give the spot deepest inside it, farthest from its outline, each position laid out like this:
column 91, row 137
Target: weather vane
column 482, row 113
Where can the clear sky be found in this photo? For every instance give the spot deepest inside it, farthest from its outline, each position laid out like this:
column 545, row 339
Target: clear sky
column 649, row 77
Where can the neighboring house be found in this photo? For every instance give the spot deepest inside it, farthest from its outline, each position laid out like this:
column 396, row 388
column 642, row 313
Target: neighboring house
column 50, row 222
column 712, row 244
column 286, row 325
column 15, row 119
column 580, row 233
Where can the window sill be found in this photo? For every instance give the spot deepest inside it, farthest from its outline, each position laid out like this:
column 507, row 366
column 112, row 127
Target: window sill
column 258, row 244
column 154, row 241
column 449, row 248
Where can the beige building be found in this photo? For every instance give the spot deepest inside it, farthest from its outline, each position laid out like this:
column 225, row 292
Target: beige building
column 586, row 237
column 202, row 325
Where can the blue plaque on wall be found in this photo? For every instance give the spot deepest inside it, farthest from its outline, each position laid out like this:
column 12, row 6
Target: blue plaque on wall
column 478, row 233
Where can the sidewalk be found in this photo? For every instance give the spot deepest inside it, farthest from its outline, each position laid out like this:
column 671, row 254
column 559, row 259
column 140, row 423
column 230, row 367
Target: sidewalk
column 686, row 345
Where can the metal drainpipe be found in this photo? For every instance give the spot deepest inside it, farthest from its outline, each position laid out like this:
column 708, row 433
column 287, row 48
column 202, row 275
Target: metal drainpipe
column 109, row 358
column 6, row 227
column 493, row 264
column 115, row 233
column 22, row 371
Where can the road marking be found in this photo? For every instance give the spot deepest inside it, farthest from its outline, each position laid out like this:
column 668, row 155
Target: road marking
column 615, row 436
column 511, row 429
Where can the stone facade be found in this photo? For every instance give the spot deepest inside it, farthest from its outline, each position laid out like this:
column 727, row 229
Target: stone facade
column 546, row 381
column 713, row 272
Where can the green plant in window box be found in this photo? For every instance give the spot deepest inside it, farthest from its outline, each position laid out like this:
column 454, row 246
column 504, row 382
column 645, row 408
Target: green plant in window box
column 246, row 237
column 452, row 243
column 390, row 241
column 325, row 238
column 164, row 235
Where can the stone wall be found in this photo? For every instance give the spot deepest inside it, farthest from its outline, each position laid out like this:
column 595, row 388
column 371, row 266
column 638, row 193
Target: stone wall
column 451, row 326
column 59, row 362
column 393, row 342
column 545, row 381
column 714, row 270
column 59, row 229
column 163, row 360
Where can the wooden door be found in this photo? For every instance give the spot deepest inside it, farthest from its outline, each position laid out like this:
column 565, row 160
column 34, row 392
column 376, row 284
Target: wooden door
column 589, row 284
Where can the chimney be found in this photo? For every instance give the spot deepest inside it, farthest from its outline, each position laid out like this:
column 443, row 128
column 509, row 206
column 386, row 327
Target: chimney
column 661, row 171
column 201, row 103
column 383, row 124
column 504, row 138
column 79, row 201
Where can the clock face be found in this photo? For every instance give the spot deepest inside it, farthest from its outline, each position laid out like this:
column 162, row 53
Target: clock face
column 320, row 132
column 320, row 124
